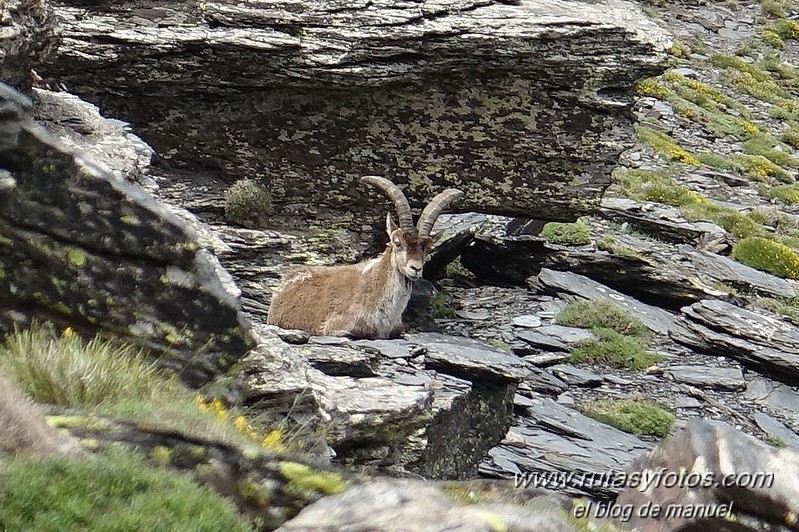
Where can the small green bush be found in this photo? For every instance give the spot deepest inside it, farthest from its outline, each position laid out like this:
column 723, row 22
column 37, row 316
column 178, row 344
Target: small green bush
column 664, row 145
column 570, row 234
column 775, row 8
column 113, row 492
column 773, row 39
column 600, row 313
column 768, row 256
column 788, row 194
column 785, row 28
column 441, row 306
column 614, row 349
column 456, row 269
column 636, row 417
column 713, row 160
column 650, row 87
column 248, row 204
column 758, row 167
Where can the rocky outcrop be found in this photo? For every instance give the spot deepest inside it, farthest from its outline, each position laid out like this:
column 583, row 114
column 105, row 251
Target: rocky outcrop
column 81, row 245
column 705, row 474
column 276, row 487
column 429, row 404
column 308, row 96
column 554, row 447
column 758, row 340
column 662, row 220
column 566, row 283
column 662, row 275
column 407, row 505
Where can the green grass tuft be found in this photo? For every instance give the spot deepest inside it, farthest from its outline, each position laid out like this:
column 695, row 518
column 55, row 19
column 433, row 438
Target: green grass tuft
column 113, row 492
column 775, row 8
column 456, row 269
column 636, row 417
column 609, row 244
column 788, row 194
column 770, row 148
column 614, row 349
column 785, row 28
column 106, row 378
column 67, row 371
column 720, row 162
column 601, row 313
column 758, row 167
column 441, row 305
column 775, row 441
column 664, row 145
column 657, row 186
column 570, row 234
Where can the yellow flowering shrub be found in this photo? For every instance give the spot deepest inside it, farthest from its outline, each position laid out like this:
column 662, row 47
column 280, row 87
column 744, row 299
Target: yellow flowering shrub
column 664, row 145
column 650, row 87
column 768, row 256
column 272, row 440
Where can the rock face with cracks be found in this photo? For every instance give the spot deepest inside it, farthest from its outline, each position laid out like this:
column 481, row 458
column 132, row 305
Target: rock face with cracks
column 523, row 106
column 82, row 246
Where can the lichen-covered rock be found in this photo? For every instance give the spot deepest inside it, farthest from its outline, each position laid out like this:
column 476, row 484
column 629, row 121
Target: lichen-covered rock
column 83, row 246
column 522, row 106
column 28, row 35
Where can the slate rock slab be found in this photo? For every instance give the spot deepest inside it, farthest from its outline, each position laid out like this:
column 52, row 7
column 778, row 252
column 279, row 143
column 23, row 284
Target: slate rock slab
column 758, row 340
column 708, row 376
column 559, row 448
column 469, row 359
column 561, row 282
column 310, row 95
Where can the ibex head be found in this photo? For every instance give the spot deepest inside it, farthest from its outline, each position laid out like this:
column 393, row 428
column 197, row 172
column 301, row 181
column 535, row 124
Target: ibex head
column 410, row 245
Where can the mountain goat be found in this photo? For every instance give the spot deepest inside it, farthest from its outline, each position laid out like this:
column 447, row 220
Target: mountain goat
column 363, row 300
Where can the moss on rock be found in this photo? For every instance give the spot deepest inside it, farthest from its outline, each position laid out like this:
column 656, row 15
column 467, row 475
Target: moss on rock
column 570, row 234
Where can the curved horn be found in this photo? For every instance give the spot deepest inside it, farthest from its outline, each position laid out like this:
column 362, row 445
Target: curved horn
column 396, row 195
column 430, row 213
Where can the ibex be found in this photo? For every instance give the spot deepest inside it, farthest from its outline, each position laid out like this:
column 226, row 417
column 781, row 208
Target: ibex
column 363, row 300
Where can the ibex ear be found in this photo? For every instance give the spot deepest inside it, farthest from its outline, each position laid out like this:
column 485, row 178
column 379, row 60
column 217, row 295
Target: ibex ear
column 390, row 225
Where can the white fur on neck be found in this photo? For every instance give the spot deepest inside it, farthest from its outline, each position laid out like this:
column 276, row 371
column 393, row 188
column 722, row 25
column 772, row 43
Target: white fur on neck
column 387, row 308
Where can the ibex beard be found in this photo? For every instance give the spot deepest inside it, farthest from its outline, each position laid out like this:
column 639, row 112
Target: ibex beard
column 367, row 299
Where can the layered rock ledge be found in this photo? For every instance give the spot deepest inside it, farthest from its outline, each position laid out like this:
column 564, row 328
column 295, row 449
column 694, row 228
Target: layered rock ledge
column 522, row 106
